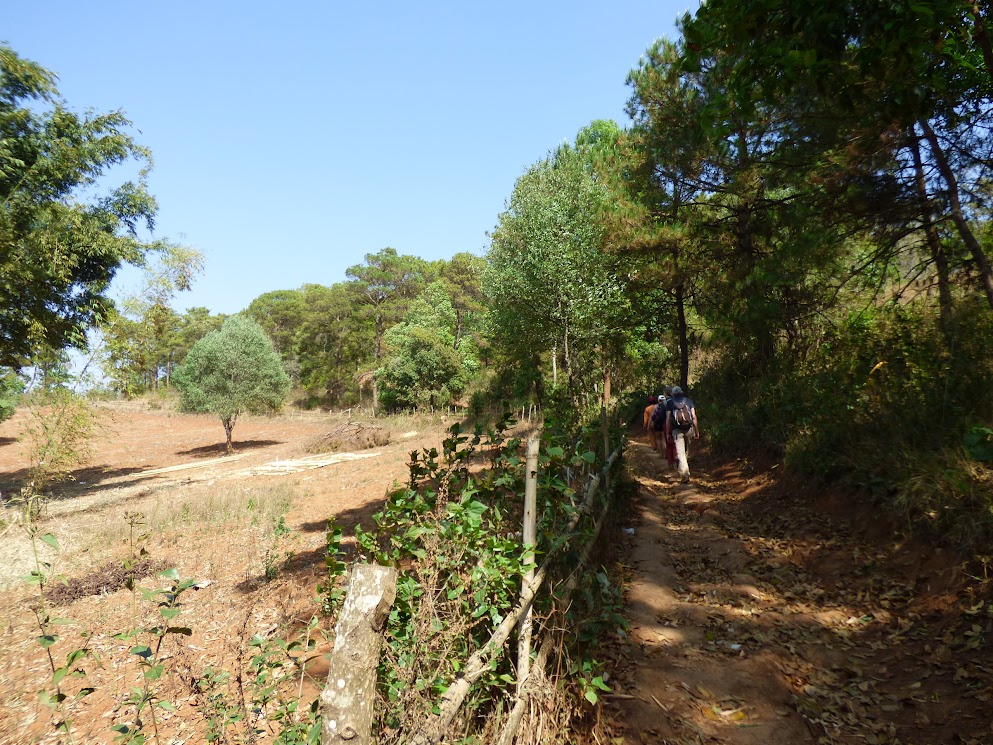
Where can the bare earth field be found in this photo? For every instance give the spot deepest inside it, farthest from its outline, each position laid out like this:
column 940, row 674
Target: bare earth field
column 212, row 518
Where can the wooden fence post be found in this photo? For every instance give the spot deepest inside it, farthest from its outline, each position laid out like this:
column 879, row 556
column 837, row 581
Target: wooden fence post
column 348, row 697
column 530, row 537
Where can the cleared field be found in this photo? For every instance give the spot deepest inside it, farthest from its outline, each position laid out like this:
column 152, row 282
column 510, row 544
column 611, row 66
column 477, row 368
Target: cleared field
column 250, row 527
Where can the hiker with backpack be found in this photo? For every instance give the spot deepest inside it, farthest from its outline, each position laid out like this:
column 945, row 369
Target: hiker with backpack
column 658, row 423
column 666, row 447
column 680, row 419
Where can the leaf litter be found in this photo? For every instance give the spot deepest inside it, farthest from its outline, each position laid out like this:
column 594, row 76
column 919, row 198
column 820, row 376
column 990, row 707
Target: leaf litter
column 844, row 635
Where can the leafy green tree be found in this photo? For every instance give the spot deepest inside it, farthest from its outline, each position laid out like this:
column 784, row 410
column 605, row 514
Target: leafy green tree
column 886, row 105
column 334, row 342
column 280, row 314
column 386, row 283
column 425, row 366
column 739, row 225
column 550, row 283
column 463, row 280
column 58, row 250
column 230, row 371
column 142, row 338
column 195, row 324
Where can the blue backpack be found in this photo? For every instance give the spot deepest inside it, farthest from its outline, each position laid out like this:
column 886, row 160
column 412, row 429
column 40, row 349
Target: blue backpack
column 658, row 417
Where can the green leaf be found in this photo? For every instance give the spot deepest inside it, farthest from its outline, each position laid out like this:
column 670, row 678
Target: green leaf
column 172, row 574
column 591, row 696
column 170, row 613
column 165, row 705
column 142, row 650
column 47, row 640
column 154, row 672
column 51, row 540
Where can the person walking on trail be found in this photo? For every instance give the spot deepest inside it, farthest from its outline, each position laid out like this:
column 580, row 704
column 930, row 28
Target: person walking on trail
column 680, row 419
column 657, row 423
column 667, row 447
column 647, row 425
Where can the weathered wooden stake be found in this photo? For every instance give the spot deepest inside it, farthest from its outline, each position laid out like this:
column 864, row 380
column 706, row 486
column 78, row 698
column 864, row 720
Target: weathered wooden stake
column 530, row 537
column 348, row 696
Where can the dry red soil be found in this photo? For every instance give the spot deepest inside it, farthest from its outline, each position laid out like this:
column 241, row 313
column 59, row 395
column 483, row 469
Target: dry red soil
column 213, row 521
column 766, row 612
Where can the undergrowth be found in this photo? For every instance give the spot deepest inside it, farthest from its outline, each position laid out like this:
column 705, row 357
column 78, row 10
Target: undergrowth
column 453, row 531
column 886, row 400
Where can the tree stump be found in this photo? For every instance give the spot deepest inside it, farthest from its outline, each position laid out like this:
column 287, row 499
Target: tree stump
column 348, row 697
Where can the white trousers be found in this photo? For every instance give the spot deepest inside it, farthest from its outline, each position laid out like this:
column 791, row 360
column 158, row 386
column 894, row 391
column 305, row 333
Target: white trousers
column 682, row 440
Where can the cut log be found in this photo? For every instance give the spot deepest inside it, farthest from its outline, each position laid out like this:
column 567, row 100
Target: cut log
column 348, row 697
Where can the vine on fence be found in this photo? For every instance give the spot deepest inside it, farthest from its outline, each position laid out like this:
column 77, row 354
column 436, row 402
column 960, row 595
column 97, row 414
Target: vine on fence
column 453, row 531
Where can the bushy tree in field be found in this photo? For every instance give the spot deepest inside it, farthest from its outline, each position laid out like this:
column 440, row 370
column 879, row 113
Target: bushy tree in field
column 233, row 370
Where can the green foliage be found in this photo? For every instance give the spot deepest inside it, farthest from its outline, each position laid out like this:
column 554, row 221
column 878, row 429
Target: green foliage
column 894, row 381
column 333, row 343
column 280, row 314
column 59, row 431
column 68, row 665
column 149, row 656
column 146, row 338
column 978, row 442
column 233, row 370
column 450, row 530
column 60, row 250
column 11, row 387
column 425, row 367
column 329, row 590
column 550, row 284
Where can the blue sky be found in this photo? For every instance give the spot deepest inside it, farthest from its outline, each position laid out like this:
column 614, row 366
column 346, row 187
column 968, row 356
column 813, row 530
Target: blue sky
column 292, row 139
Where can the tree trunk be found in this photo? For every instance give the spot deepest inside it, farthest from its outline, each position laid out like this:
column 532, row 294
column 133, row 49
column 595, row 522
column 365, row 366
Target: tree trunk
column 982, row 36
column 958, row 217
column 555, row 364
column 348, row 697
column 931, row 232
column 458, row 328
column 606, row 386
column 684, row 341
column 228, row 428
column 377, row 353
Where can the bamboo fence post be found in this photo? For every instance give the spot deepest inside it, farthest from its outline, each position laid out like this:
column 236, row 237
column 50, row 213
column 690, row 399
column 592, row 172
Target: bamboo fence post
column 525, row 687
column 432, row 730
column 348, row 696
column 530, row 535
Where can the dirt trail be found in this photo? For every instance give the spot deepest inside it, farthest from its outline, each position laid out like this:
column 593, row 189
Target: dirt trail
column 756, row 618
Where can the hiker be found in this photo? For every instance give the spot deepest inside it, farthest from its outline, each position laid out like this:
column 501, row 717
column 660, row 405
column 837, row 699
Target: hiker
column 657, row 423
column 680, row 419
column 667, row 441
column 647, row 424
